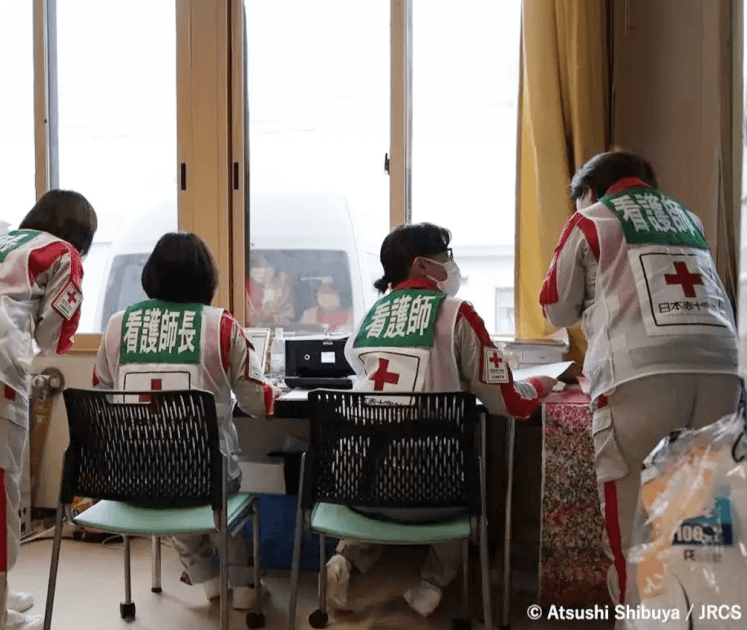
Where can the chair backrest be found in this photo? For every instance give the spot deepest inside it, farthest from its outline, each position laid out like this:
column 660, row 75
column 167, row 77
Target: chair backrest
column 394, row 450
column 163, row 451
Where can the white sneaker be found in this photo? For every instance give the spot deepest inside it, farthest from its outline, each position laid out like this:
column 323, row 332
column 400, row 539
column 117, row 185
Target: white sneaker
column 212, row 588
column 338, row 578
column 19, row 601
column 424, row 598
column 18, row 621
column 245, row 597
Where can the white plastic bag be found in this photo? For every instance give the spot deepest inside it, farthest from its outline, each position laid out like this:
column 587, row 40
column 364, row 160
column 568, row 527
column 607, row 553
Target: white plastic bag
column 688, row 559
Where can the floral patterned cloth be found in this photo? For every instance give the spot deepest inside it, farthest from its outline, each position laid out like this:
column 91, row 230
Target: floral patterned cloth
column 573, row 565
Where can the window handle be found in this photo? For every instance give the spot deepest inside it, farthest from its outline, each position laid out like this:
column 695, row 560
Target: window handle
column 386, row 163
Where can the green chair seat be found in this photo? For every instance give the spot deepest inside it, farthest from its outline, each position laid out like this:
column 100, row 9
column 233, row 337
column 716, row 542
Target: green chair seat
column 340, row 521
column 122, row 518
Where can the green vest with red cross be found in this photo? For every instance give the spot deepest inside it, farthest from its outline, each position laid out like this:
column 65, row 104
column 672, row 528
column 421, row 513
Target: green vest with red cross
column 161, row 346
column 401, row 340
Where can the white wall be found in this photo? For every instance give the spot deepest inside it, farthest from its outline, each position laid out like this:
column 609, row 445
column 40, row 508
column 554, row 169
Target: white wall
column 668, row 74
column 666, row 56
column 77, row 370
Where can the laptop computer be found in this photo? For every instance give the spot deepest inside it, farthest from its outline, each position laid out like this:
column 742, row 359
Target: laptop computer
column 317, row 362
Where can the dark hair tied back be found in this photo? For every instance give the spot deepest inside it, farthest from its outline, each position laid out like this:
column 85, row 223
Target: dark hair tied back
column 382, row 284
column 403, row 245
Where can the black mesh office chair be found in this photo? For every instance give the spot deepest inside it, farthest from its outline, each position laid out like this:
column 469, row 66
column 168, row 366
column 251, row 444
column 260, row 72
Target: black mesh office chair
column 413, row 450
column 154, row 461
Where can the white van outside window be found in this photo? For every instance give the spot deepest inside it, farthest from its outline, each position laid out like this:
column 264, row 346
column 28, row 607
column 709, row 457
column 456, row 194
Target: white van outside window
column 306, row 271
column 311, row 277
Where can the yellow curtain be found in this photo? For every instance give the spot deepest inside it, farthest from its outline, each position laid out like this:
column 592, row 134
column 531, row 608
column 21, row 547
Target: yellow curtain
column 563, row 121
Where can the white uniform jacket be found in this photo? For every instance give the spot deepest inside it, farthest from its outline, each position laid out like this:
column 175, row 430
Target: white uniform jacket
column 156, row 345
column 415, row 338
column 40, row 297
column 636, row 269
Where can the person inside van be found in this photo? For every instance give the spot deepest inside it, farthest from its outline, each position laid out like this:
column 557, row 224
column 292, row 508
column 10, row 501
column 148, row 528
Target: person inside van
column 270, row 297
column 448, row 350
column 41, row 279
column 329, row 311
column 180, row 279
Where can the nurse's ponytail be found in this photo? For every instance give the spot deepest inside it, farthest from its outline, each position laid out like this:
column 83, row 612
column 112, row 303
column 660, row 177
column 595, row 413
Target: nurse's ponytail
column 382, row 284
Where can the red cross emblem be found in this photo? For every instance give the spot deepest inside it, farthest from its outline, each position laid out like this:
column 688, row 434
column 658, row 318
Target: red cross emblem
column 156, row 385
column 382, row 375
column 68, row 300
column 493, row 369
column 684, row 278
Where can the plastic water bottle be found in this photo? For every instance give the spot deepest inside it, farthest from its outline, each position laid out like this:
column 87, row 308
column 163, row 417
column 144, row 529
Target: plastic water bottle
column 277, row 355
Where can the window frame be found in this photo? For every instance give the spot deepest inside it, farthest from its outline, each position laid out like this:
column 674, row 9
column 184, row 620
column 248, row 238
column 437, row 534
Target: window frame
column 198, row 118
column 400, row 135
column 400, row 156
column 215, row 29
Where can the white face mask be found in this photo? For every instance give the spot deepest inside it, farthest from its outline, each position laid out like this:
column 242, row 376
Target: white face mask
column 450, row 286
column 328, row 300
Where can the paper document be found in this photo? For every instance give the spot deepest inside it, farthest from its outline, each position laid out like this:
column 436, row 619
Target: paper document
column 553, row 370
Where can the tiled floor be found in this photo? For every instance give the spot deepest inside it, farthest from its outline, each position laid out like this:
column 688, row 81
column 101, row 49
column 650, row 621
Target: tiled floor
column 90, row 587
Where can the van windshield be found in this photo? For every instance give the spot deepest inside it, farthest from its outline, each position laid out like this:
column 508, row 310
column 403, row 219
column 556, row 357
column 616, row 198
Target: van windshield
column 307, row 291
column 299, row 290
column 123, row 286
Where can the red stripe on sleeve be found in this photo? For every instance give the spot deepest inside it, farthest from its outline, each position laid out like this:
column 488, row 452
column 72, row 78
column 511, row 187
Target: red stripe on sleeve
column 549, row 293
column 269, row 399
column 589, row 229
column 42, row 259
column 67, row 332
column 467, row 311
column 517, row 406
column 226, row 327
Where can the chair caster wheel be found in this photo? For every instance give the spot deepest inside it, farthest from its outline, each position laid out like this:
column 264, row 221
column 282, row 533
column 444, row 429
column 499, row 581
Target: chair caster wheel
column 158, row 589
column 255, row 620
column 127, row 610
column 461, row 624
column 318, row 619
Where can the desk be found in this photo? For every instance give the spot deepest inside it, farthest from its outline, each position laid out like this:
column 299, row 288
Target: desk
column 260, row 472
column 293, row 404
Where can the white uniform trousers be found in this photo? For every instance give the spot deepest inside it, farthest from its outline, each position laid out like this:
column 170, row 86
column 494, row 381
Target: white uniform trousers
column 627, row 425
